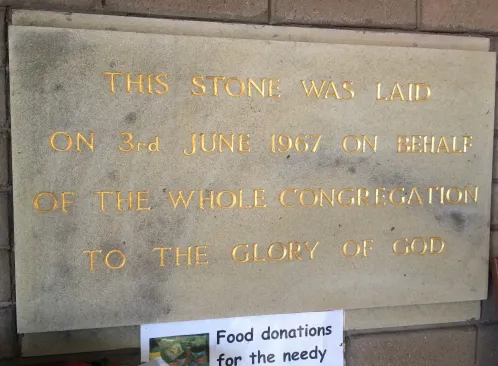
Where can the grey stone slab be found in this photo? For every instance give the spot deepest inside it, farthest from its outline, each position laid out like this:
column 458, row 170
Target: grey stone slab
column 63, row 5
column 436, row 347
column 245, row 31
column 355, row 319
column 84, row 101
column 5, row 283
column 356, row 13
column 94, row 340
column 3, row 97
column 4, row 220
column 8, row 336
column 495, row 158
column 403, row 316
column 494, row 205
column 80, row 341
column 247, row 10
column 4, row 158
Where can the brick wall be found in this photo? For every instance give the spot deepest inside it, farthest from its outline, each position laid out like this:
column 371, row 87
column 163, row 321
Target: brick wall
column 473, row 342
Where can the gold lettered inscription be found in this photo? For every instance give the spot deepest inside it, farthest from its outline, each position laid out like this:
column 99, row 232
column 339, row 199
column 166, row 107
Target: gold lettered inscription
column 48, row 201
column 113, row 259
column 218, row 142
column 325, row 89
column 418, row 245
column 63, row 141
column 136, row 82
column 409, row 92
column 283, row 143
column 380, row 196
column 433, row 144
column 191, row 255
column 130, row 200
column 234, row 86
column 128, row 143
column 353, row 248
column 224, row 199
column 276, row 251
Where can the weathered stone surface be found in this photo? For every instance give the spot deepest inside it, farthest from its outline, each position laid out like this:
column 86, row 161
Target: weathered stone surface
column 245, row 31
column 71, row 5
column 4, row 221
column 459, row 15
column 495, row 155
column 5, row 290
column 249, row 10
column 487, row 345
column 358, row 13
column 93, row 340
column 4, row 158
column 79, row 341
column 401, row 316
column 7, row 333
column 494, row 205
column 3, row 99
column 84, row 101
column 437, row 347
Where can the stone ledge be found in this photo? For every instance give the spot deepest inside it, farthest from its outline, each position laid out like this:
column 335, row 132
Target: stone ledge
column 65, row 5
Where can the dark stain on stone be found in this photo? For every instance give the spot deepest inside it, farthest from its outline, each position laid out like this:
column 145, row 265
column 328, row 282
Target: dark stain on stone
column 131, row 118
column 113, row 175
column 458, row 220
column 288, row 156
column 352, row 169
column 455, row 218
column 58, row 87
column 392, row 229
column 65, row 232
column 112, row 64
column 64, row 270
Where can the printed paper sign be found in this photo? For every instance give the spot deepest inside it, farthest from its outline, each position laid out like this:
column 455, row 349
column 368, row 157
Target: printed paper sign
column 286, row 339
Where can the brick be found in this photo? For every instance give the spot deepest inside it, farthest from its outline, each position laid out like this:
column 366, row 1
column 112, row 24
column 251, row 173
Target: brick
column 495, row 146
column 459, row 15
column 68, row 5
column 5, row 290
column 4, row 220
column 438, row 347
column 7, row 333
column 3, row 53
column 487, row 345
column 355, row 13
column 247, row 10
column 3, row 98
column 494, row 205
column 4, row 159
column 489, row 310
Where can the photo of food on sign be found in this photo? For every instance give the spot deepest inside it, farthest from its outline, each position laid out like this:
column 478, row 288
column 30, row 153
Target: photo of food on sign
column 186, row 350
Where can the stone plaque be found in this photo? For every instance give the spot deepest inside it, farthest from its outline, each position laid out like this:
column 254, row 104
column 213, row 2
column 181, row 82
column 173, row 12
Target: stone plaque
column 162, row 178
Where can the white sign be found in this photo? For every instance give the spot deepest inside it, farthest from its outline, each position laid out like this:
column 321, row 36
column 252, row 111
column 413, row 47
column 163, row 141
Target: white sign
column 286, row 339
